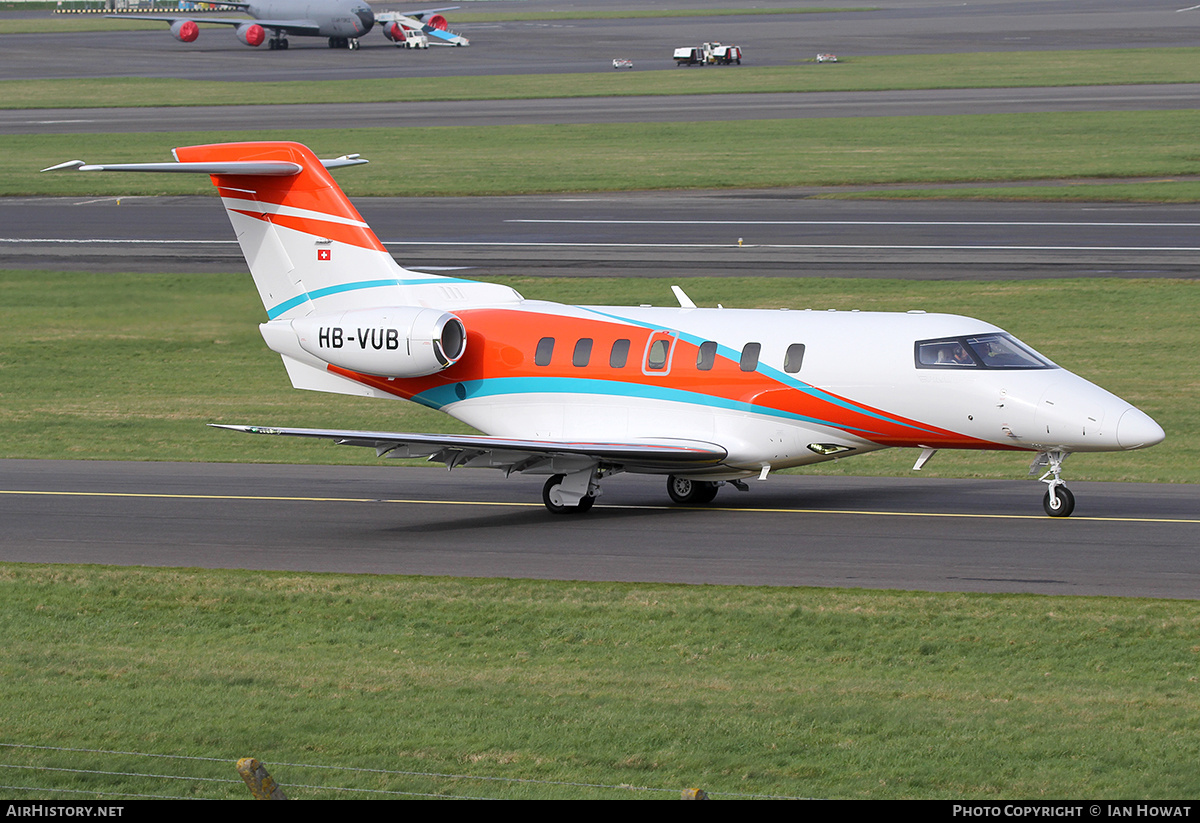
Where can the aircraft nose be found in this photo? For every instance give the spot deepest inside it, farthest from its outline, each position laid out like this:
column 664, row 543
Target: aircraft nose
column 366, row 17
column 1136, row 430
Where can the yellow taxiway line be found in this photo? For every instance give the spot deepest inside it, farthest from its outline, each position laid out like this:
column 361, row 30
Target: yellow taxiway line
column 515, row 504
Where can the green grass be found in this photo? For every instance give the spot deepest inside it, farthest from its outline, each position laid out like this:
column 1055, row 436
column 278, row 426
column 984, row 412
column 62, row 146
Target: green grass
column 986, row 70
column 599, row 157
column 797, row 692
column 131, row 367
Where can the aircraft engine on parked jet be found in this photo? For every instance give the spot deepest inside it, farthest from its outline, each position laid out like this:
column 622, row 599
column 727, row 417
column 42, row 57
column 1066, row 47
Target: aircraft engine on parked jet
column 404, row 341
column 437, row 21
column 185, row 31
column 394, row 32
column 251, row 34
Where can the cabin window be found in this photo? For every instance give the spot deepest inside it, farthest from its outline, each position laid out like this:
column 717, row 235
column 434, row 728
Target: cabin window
column 545, row 350
column 983, row 351
column 706, row 356
column 657, row 357
column 793, row 358
column 750, row 352
column 583, row 353
column 619, row 355
column 659, row 349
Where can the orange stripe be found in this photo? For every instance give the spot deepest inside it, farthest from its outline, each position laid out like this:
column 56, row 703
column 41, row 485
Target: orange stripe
column 313, row 189
column 351, row 235
column 500, row 343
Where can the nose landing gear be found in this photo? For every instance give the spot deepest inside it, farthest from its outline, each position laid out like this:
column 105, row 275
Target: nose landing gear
column 1059, row 501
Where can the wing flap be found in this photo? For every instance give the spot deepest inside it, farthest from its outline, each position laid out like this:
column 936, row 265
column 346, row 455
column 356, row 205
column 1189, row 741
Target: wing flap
column 512, row 454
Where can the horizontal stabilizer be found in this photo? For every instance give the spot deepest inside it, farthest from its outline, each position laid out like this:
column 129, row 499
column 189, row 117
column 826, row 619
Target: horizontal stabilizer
column 269, row 168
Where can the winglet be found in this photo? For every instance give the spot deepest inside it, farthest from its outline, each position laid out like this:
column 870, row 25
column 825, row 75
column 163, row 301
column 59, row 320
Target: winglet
column 685, row 302
column 70, row 164
column 345, row 160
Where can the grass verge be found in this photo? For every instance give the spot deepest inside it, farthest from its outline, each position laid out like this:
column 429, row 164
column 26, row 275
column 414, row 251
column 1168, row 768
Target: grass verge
column 984, row 70
column 131, row 367
column 637, row 156
column 797, row 692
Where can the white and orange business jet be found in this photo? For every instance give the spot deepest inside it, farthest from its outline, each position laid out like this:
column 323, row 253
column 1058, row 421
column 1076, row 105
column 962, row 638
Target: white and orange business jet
column 341, row 21
column 703, row 396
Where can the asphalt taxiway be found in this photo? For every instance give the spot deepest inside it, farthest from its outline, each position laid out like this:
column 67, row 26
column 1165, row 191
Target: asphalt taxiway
column 665, row 109
column 776, row 232
column 1125, row 539
column 555, row 46
column 1129, row 540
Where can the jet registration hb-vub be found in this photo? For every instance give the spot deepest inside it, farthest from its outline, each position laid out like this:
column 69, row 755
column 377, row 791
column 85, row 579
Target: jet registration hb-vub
column 704, row 396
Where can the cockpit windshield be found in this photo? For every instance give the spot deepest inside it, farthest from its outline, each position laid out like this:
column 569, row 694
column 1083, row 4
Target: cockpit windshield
column 994, row 350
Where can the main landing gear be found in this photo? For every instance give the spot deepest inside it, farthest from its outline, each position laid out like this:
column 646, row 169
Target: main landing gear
column 689, row 492
column 573, row 493
column 576, row 493
column 1059, row 501
column 276, row 43
column 343, row 43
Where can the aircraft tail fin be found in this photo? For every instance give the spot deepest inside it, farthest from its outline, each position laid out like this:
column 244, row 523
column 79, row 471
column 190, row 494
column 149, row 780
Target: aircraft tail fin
column 302, row 238
column 308, row 248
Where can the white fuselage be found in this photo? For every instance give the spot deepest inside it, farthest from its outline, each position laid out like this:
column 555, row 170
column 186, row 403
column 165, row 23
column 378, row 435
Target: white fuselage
column 859, row 387
column 333, row 18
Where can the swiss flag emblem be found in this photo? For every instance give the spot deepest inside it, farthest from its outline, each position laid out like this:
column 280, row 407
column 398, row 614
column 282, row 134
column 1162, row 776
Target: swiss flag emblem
column 324, row 254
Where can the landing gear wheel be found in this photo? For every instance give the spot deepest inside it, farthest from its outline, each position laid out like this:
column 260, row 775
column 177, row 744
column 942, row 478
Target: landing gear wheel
column 1061, row 505
column 1058, row 502
column 686, row 491
column 352, row 44
column 585, row 503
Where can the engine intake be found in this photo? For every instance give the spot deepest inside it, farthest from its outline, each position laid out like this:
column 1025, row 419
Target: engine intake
column 185, row 31
column 251, row 34
column 405, row 341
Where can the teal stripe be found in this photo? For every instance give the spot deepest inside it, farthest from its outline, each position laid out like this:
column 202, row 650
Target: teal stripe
column 441, row 396
column 341, row 288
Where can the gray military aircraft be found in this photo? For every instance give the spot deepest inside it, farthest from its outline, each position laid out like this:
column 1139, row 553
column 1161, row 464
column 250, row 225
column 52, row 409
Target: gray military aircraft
column 342, row 21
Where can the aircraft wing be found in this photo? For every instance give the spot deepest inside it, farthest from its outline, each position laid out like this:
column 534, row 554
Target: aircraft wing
column 297, row 27
column 420, row 13
column 515, row 455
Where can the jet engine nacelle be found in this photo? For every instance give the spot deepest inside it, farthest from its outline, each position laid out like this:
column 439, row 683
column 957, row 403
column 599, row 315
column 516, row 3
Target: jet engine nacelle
column 251, row 34
column 404, row 341
column 185, row 31
column 437, row 21
column 394, row 32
